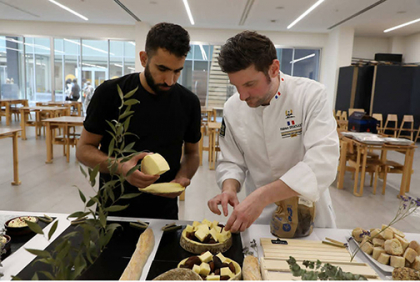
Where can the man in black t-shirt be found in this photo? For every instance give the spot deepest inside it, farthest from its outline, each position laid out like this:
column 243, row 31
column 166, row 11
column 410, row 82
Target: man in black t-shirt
column 167, row 117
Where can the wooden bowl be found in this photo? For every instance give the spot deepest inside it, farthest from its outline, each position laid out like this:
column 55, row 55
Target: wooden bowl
column 238, row 275
column 18, row 231
column 199, row 248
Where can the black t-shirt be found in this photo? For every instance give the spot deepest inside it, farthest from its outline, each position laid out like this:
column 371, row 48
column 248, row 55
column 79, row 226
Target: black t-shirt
column 161, row 122
column 75, row 92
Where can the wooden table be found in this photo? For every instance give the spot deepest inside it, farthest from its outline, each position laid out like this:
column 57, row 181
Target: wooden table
column 362, row 150
column 214, row 128
column 64, row 122
column 52, row 111
column 7, row 103
column 76, row 104
column 9, row 132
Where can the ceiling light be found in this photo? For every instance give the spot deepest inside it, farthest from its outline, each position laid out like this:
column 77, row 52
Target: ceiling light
column 303, row 58
column 305, row 13
column 131, row 68
column 401, row 25
column 95, row 66
column 132, row 43
column 118, row 65
column 203, row 53
column 187, row 7
column 13, row 49
column 68, row 9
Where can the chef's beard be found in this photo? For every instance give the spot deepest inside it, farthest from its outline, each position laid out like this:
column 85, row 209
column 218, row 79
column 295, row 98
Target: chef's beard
column 154, row 86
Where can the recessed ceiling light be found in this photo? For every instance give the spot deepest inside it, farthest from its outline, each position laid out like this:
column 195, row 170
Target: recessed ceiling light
column 401, row 25
column 305, row 13
column 69, row 10
column 187, row 7
column 401, row 12
column 153, row 2
column 273, row 21
column 280, row 8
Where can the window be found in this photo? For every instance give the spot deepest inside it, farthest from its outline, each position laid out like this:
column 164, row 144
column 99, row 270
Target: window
column 11, row 68
column 95, row 62
column 299, row 62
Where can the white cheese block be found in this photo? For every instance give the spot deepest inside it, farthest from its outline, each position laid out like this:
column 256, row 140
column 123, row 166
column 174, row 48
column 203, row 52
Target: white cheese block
column 225, row 271
column 221, row 257
column 206, row 257
column 213, row 277
column 189, row 229
column 201, row 234
column 207, row 222
column 204, row 269
column 214, row 234
column 154, row 165
column 196, row 269
column 214, row 223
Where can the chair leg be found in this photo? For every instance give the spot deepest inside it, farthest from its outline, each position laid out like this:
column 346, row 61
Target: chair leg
column 384, row 180
column 371, row 179
column 376, row 180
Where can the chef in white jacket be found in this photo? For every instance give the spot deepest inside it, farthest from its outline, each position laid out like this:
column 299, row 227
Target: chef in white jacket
column 278, row 137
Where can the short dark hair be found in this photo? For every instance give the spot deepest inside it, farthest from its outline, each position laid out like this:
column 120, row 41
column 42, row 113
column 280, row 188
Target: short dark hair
column 171, row 37
column 245, row 49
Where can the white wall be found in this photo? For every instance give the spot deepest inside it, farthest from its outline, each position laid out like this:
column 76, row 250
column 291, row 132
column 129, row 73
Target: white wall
column 367, row 47
column 412, row 49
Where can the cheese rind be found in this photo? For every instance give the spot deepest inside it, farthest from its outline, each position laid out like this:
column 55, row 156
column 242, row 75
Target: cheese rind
column 154, row 164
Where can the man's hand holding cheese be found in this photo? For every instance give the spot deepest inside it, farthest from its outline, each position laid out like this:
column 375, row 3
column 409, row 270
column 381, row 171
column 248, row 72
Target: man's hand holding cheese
column 278, row 137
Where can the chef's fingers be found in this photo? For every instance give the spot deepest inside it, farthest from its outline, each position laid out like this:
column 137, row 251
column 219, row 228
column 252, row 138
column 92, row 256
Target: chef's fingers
column 236, row 227
column 230, row 221
column 234, row 202
column 226, row 199
column 213, row 205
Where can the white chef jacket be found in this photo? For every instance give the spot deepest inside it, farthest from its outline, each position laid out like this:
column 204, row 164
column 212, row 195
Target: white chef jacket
column 294, row 139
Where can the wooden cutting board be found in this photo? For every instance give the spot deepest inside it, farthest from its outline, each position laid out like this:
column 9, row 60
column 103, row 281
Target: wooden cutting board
column 275, row 267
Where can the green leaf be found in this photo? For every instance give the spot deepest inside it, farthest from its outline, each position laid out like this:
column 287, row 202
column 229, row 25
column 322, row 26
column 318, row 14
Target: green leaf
column 35, row 277
column 131, row 93
column 129, row 146
column 71, row 234
column 133, row 169
column 91, row 202
column 79, row 265
column 78, row 214
column 64, row 252
column 83, row 171
column 102, row 219
column 127, row 123
column 116, row 208
column 130, row 196
column 112, row 127
column 39, row 253
column 82, row 196
column 52, row 230
column 111, row 147
column 34, row 227
column 48, row 275
column 121, row 96
column 94, row 174
column 131, row 102
column 126, row 114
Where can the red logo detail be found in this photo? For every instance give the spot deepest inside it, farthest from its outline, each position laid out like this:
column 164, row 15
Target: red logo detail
column 282, row 79
column 279, row 93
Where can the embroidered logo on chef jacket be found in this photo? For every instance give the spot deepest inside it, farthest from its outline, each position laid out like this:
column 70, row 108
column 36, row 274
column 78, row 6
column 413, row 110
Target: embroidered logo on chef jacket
column 293, row 128
column 223, row 129
column 277, row 95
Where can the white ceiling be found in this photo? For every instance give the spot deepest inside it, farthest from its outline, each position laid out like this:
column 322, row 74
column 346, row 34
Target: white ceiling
column 226, row 14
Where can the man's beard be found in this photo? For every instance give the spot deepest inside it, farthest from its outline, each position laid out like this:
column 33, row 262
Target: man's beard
column 151, row 82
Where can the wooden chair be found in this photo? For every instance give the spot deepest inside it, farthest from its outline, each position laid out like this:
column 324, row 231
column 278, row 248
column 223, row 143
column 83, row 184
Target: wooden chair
column 407, row 119
column 352, row 110
column 391, row 118
column 417, row 136
column 338, row 115
column 378, row 117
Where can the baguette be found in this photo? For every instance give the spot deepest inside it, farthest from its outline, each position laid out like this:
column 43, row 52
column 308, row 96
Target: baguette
column 251, row 268
column 142, row 252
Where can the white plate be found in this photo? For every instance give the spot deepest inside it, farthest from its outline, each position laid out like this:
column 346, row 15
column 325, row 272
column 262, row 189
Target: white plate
column 383, row 267
column 398, row 141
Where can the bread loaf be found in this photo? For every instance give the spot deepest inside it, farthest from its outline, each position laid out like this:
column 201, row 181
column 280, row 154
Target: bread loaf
column 397, row 261
column 251, row 268
column 403, row 241
column 377, row 251
column 416, row 263
column 415, row 246
column 384, row 258
column 143, row 249
column 378, row 242
column 393, row 247
column 367, row 247
column 410, row 255
column 376, row 233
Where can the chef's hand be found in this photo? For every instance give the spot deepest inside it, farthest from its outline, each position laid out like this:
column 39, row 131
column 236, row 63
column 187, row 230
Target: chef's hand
column 228, row 196
column 245, row 213
column 137, row 178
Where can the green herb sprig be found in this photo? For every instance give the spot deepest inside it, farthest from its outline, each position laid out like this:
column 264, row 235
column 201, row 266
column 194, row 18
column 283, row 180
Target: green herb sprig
column 68, row 259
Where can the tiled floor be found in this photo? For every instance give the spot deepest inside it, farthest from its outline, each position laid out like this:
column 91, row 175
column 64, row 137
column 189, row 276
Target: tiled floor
column 50, row 188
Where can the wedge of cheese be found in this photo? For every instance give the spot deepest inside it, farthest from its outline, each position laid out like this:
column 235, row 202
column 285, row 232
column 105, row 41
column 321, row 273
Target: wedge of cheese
column 154, row 165
column 163, row 188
